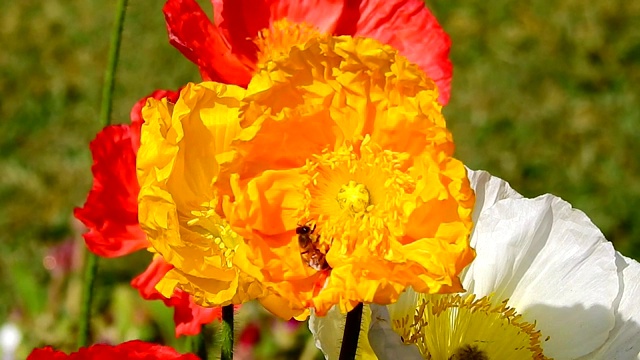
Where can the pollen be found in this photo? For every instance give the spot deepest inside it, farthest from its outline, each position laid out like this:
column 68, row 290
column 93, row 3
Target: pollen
column 446, row 327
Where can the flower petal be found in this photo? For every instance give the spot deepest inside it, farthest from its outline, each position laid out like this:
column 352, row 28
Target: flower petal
column 131, row 350
column 489, row 190
column 191, row 32
column 407, row 26
column 328, row 331
column 187, row 315
column 623, row 339
column 386, row 343
column 241, row 20
column 552, row 263
column 111, row 210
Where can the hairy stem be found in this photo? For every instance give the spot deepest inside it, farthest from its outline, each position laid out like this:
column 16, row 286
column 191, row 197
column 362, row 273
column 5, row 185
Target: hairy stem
column 227, row 333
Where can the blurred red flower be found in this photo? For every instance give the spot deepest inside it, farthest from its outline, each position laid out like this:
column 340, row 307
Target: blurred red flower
column 225, row 51
column 111, row 215
column 130, row 350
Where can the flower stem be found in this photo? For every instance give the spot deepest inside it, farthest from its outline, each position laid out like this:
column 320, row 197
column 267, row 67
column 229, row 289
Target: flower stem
column 90, row 270
column 112, row 65
column 227, row 333
column 91, row 260
column 351, row 333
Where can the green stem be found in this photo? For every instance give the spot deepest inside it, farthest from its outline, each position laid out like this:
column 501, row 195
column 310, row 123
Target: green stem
column 91, row 260
column 112, row 65
column 227, row 333
column 90, row 270
column 351, row 333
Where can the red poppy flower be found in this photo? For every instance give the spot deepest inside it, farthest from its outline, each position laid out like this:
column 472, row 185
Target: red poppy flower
column 130, row 350
column 188, row 316
column 227, row 51
column 111, row 215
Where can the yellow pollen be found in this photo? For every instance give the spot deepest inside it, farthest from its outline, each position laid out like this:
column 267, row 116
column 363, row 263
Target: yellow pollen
column 446, row 327
column 354, row 196
column 281, row 37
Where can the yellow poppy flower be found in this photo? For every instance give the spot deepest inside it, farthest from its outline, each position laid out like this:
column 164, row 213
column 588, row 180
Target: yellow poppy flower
column 177, row 205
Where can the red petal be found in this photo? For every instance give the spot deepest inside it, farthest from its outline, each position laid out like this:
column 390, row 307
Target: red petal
column 147, row 281
column 408, row 26
column 47, row 353
column 240, row 21
column 191, row 32
column 188, row 316
column 111, row 210
column 130, row 350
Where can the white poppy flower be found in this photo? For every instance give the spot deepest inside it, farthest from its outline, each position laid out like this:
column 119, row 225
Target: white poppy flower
column 545, row 284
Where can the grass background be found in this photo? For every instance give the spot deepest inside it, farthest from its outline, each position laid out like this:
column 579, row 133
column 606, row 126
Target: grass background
column 544, row 95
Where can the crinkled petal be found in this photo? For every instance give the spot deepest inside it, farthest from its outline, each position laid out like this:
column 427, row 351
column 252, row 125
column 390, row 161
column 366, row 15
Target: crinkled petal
column 552, row 263
column 622, row 343
column 200, row 41
column 178, row 212
column 111, row 210
column 294, row 104
column 407, row 26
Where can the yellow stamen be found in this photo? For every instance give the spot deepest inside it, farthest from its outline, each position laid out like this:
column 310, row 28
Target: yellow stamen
column 357, row 200
column 446, row 327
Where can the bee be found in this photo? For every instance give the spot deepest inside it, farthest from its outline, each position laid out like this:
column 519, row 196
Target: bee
column 308, row 250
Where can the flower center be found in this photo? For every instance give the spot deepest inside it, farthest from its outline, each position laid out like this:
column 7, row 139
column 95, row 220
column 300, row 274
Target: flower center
column 277, row 40
column 354, row 196
column 448, row 327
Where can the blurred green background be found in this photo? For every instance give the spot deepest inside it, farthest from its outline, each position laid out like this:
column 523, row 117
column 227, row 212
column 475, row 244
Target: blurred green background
column 545, row 95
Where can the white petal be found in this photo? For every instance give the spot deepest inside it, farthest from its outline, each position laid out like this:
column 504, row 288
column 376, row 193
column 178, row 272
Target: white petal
column 624, row 340
column 385, row 342
column 489, row 190
column 555, row 267
column 328, row 331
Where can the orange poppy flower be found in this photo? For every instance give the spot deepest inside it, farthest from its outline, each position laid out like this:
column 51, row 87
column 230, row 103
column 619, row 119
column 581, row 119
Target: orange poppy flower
column 229, row 49
column 329, row 181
